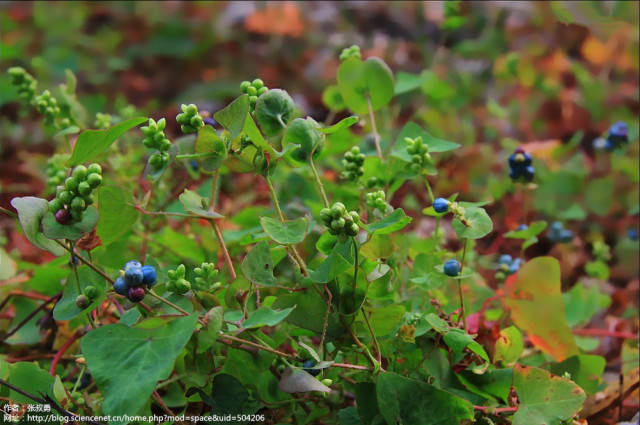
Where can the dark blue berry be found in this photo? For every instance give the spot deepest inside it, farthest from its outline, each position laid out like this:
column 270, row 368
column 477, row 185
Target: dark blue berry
column 505, row 259
column 148, row 275
column 632, row 234
column 515, row 266
column 619, row 129
column 133, row 276
column 452, row 268
column 441, row 205
column 132, row 263
column 566, row 235
column 307, row 365
column 120, row 286
column 209, row 121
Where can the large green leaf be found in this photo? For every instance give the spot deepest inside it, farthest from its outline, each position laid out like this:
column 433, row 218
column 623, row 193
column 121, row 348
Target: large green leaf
column 479, row 224
column 361, row 80
column 407, row 401
column 264, row 316
column 509, row 345
column 54, row 230
column 117, row 215
column 585, row 370
column 413, row 130
column 127, row 363
column 581, row 303
column 544, row 399
column 92, row 143
column 233, row 115
column 30, row 212
column 395, row 221
column 30, row 378
column 534, row 297
column 257, row 265
column 285, row 233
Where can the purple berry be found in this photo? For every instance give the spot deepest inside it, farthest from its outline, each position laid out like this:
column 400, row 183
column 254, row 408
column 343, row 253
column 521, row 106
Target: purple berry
column 63, row 216
column 136, row 294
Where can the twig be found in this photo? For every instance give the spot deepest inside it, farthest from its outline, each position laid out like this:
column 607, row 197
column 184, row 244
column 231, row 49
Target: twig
column 326, row 319
column 164, row 406
column 496, row 410
column 86, row 262
column 223, row 246
column 464, row 253
column 373, row 336
column 61, row 351
column 30, row 316
column 258, row 346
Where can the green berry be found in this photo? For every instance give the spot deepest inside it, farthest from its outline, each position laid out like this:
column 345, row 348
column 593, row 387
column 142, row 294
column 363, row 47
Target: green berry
column 66, row 197
column 252, row 91
column 55, row 204
column 94, row 168
column 71, row 184
column 77, row 203
column 94, row 180
column 91, row 292
column 257, row 83
column 244, row 86
column 80, row 172
column 84, row 189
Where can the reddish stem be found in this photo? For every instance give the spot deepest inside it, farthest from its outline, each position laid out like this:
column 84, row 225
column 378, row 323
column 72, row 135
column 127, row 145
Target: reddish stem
column 605, row 332
column 60, row 353
column 497, row 410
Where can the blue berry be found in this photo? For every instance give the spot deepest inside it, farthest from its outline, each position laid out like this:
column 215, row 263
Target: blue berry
column 307, row 365
column 148, row 275
column 133, row 276
column 209, row 121
column 522, row 227
column 452, row 268
column 132, row 263
column 505, row 259
column 441, row 205
column 556, row 226
column 120, row 286
column 619, row 129
column 515, row 266
column 632, row 234
column 566, row 235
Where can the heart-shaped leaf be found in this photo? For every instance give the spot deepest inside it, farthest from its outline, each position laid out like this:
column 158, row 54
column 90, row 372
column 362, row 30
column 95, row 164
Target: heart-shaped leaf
column 264, row 316
column 117, row 216
column 127, row 363
column 479, row 224
column 92, row 143
column 392, row 223
column 54, row 230
column 362, row 81
column 31, row 210
column 209, row 142
column 285, row 233
column 66, row 308
column 233, row 115
column 257, row 266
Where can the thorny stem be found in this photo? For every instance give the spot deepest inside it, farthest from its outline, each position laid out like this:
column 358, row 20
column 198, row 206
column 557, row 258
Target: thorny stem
column 497, row 410
column 75, row 271
column 323, row 194
column 464, row 253
column 376, row 136
column 164, row 406
column 256, row 345
column 435, row 232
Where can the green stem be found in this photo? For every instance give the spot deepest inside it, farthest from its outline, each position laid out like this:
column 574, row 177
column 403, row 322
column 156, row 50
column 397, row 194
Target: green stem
column 426, row 181
column 325, row 200
column 86, row 262
column 376, row 136
column 355, row 264
column 373, row 336
column 464, row 253
column 225, row 252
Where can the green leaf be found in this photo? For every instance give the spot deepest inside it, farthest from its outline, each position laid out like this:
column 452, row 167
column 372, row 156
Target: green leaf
column 264, row 316
column 509, row 345
column 544, row 399
column 127, row 363
column 117, row 215
column 196, row 204
column 208, row 141
column 585, row 370
column 392, row 223
column 581, row 303
column 598, row 195
column 8, row 267
column 256, row 137
column 54, row 230
column 66, row 308
column 257, row 265
column 331, row 267
column 92, row 143
column 532, row 230
column 413, row 130
column 232, row 117
column 274, row 110
column 359, row 80
column 535, row 300
column 287, row 233
column 458, row 340
column 340, row 125
column 30, row 212
column 30, row 378
column 299, row 381
column 208, row 335
column 407, row 82
column 384, row 320
column 332, row 98
column 407, row 401
column 480, row 224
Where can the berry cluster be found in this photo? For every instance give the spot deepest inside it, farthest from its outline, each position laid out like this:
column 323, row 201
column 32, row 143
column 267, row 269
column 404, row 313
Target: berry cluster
column 254, row 89
column 507, row 266
column 452, row 268
column 207, row 276
column 56, row 171
column 47, row 105
column 24, row 82
column 419, row 151
column 177, row 283
column 86, row 298
column 352, row 163
column 190, row 121
column 133, row 279
column 378, row 201
column 103, row 121
column 373, row 182
column 520, row 167
column 339, row 221
column 154, row 138
column 350, row 52
column 74, row 196
column 557, row 233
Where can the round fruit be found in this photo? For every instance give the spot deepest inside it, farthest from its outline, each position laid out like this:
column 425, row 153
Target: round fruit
column 94, row 180
column 94, row 168
column 274, row 110
column 441, row 205
column 80, row 172
column 505, row 259
column 91, row 292
column 132, row 263
column 136, row 294
column 82, row 301
column 307, row 367
column 149, row 275
column 120, row 286
column 306, row 133
column 452, row 268
column 63, row 216
column 133, row 276
column 84, row 189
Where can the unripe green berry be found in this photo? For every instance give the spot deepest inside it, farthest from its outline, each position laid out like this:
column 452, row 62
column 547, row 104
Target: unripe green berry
column 80, row 172
column 84, row 189
column 55, row 204
column 257, row 83
column 66, row 197
column 77, row 203
column 94, row 180
column 94, row 168
column 71, row 184
column 244, row 86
